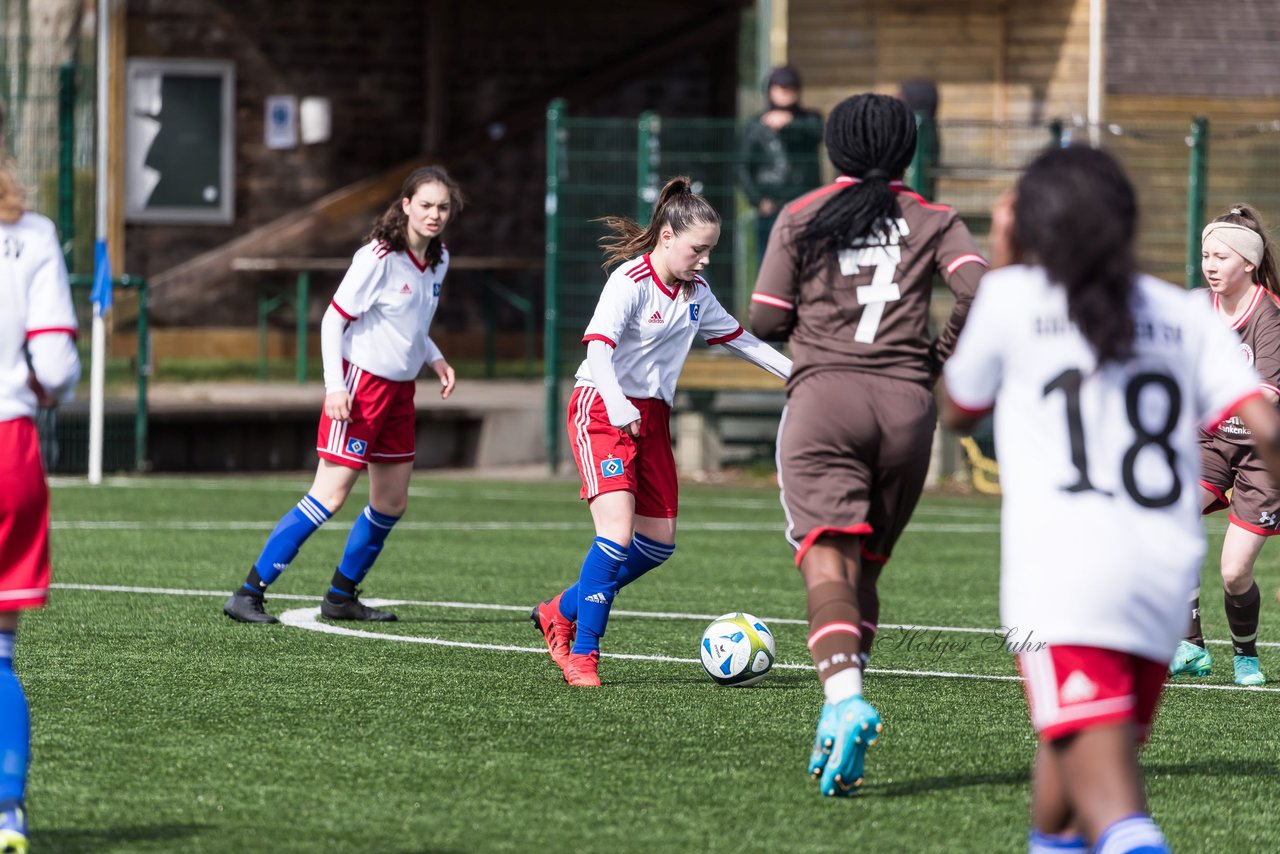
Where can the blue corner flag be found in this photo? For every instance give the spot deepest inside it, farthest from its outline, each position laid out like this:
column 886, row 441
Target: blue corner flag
column 101, row 294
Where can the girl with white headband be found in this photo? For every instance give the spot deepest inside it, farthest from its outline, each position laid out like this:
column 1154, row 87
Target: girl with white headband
column 1239, row 267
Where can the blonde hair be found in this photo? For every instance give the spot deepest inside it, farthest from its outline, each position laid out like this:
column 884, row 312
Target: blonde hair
column 13, row 198
column 1264, row 272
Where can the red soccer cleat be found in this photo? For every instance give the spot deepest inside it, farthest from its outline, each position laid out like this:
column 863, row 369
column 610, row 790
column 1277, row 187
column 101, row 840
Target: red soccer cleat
column 556, row 630
column 580, row 670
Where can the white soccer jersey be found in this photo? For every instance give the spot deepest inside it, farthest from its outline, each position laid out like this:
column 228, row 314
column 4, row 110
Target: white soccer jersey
column 1100, row 522
column 389, row 299
column 37, row 301
column 651, row 328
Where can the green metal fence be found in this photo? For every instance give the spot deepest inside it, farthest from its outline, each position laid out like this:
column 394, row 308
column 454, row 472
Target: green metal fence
column 1185, row 172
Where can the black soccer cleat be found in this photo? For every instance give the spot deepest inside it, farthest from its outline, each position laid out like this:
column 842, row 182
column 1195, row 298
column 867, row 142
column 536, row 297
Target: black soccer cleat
column 246, row 606
column 351, row 608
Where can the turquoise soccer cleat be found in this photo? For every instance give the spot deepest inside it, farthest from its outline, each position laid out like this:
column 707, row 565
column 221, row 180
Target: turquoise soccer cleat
column 1190, row 660
column 1248, row 672
column 856, row 726
column 13, row 831
column 823, row 741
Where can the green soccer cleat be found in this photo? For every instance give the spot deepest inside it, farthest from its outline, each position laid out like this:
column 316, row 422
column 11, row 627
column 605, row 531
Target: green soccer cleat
column 1190, row 660
column 857, row 725
column 1248, row 672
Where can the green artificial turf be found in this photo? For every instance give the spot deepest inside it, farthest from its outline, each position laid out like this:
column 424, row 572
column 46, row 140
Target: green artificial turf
column 160, row 725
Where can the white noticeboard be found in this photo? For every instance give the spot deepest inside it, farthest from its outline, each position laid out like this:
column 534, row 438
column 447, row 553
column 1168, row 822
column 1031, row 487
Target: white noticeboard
column 282, row 121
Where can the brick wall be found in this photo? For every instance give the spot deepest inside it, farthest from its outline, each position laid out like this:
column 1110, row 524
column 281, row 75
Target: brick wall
column 1190, row 48
column 366, row 57
column 376, row 62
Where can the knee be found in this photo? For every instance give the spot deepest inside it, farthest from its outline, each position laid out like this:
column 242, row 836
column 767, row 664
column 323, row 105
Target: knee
column 1237, row 578
column 394, row 506
column 332, row 499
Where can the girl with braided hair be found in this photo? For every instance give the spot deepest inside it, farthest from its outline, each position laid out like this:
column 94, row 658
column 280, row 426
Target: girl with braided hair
column 847, row 279
column 1238, row 263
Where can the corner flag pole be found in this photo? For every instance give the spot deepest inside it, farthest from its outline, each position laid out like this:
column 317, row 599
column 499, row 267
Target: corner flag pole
column 101, row 260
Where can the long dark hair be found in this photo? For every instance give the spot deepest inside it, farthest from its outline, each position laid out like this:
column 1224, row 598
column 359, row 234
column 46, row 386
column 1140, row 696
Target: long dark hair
column 678, row 207
column 1076, row 215
column 1265, row 273
column 871, row 138
column 390, row 228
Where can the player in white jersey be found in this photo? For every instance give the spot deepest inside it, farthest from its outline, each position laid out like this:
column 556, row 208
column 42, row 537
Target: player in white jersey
column 652, row 306
column 38, row 367
column 374, row 340
column 1101, row 379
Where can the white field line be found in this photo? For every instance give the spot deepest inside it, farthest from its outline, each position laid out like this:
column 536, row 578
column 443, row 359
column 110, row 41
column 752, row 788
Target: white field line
column 308, row 618
column 494, row 525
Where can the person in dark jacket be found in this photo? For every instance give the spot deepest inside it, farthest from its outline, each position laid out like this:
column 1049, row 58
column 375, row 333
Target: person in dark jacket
column 778, row 157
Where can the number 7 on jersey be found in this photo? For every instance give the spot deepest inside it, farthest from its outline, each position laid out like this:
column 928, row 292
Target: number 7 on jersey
column 884, row 260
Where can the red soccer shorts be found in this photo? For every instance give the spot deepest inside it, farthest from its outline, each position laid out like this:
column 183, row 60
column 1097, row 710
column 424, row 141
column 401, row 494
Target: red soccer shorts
column 24, row 518
column 609, row 460
column 1073, row 688
column 382, row 425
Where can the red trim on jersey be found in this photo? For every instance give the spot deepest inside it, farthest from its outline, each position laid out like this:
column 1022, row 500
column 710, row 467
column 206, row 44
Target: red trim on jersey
column 972, row 412
column 1216, row 422
column 1258, row 291
column 66, row 330
column 822, row 192
column 776, row 302
column 1221, row 497
column 654, row 273
column 1251, row 528
column 594, row 337
column 421, row 265
column 860, row 529
column 382, row 249
column 341, row 311
column 830, row 629
column 725, row 339
column 965, row 259
column 919, row 198
column 1265, row 387
column 637, row 270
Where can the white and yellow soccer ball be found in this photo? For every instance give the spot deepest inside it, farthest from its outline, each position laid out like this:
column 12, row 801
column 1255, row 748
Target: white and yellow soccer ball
column 737, row 649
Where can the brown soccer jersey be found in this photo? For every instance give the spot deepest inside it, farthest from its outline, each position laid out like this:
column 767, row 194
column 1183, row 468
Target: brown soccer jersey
column 1259, row 331
column 868, row 308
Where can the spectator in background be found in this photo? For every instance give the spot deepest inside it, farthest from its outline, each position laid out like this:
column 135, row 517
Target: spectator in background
column 778, row 154
column 921, row 97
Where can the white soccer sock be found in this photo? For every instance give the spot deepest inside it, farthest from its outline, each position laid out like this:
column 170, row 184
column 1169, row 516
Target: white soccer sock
column 843, row 685
column 1135, row 833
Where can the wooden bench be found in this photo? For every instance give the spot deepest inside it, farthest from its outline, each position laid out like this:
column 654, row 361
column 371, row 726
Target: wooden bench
column 301, row 296
column 726, row 410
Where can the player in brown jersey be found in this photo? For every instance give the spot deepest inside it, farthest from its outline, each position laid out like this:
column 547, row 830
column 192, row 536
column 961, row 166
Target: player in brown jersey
column 1238, row 264
column 847, row 279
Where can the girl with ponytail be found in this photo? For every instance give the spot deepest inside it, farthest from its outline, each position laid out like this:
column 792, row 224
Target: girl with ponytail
column 1238, row 263
column 1101, row 379
column 847, row 279
column 654, row 302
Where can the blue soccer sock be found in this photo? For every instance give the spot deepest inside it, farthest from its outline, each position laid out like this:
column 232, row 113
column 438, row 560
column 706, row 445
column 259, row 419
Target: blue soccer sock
column 597, row 585
column 1135, row 834
column 364, row 543
column 288, row 536
column 1056, row 843
column 15, row 728
column 645, row 554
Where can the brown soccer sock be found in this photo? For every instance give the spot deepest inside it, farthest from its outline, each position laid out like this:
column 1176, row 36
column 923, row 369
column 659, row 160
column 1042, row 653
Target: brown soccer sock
column 868, row 604
column 1242, row 618
column 834, row 632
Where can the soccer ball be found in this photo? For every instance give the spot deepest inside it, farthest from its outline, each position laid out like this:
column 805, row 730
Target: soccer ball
column 737, row 649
